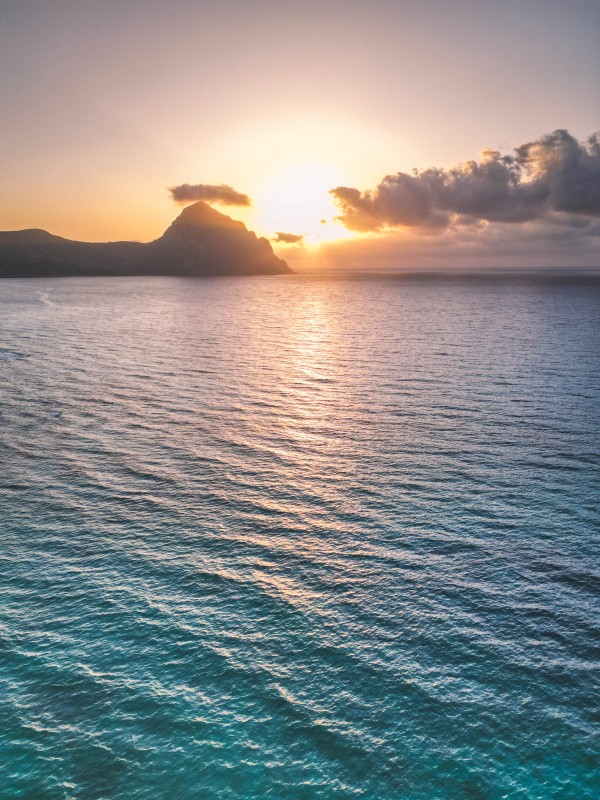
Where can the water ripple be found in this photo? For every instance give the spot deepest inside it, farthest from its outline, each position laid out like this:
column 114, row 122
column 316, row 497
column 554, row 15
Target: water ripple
column 305, row 538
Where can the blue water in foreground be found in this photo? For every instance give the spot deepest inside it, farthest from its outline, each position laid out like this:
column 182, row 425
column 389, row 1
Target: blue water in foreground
column 299, row 538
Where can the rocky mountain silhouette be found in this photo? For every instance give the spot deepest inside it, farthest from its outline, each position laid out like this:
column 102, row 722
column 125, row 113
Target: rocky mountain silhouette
column 201, row 241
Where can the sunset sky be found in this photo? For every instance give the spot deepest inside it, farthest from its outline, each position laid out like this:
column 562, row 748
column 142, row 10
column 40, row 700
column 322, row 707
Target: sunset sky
column 107, row 105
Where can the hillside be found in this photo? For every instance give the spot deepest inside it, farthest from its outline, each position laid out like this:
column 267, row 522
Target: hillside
column 200, row 241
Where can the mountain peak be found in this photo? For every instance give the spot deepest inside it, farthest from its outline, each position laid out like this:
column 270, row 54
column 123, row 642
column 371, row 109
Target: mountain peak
column 201, row 212
column 201, row 215
column 224, row 245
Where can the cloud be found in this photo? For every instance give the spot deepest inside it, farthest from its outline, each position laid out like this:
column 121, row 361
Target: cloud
column 557, row 241
column 186, row 193
column 570, row 171
column 553, row 174
column 287, row 238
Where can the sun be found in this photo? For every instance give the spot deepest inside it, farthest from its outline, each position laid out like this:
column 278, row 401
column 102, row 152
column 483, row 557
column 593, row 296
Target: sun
column 296, row 201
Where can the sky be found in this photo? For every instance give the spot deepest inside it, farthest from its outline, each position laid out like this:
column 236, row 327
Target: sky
column 317, row 113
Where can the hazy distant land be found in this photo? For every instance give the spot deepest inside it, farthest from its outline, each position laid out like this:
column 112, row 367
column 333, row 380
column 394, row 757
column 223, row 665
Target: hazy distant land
column 201, row 241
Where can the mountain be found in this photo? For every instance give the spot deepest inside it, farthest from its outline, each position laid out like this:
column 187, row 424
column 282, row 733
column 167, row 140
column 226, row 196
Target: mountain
column 201, row 241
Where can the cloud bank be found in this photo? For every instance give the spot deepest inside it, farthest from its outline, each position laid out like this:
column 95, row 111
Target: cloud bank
column 552, row 243
column 210, row 193
column 552, row 179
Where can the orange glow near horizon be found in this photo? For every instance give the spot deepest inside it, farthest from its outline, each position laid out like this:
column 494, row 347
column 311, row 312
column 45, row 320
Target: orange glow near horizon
column 296, row 200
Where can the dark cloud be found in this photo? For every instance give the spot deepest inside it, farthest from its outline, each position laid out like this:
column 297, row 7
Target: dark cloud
column 186, row 193
column 552, row 174
column 570, row 171
column 287, row 238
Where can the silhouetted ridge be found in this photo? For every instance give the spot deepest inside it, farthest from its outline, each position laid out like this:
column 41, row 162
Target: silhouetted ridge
column 201, row 241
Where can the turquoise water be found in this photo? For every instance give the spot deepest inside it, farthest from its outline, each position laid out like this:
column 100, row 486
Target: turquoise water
column 299, row 538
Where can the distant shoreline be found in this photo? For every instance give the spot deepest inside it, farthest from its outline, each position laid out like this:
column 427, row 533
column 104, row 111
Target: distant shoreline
column 491, row 276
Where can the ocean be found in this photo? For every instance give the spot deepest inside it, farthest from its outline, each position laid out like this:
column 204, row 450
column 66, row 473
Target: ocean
column 300, row 538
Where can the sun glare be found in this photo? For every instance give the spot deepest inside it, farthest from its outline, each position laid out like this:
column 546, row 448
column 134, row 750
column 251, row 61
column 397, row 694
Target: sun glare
column 296, row 201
